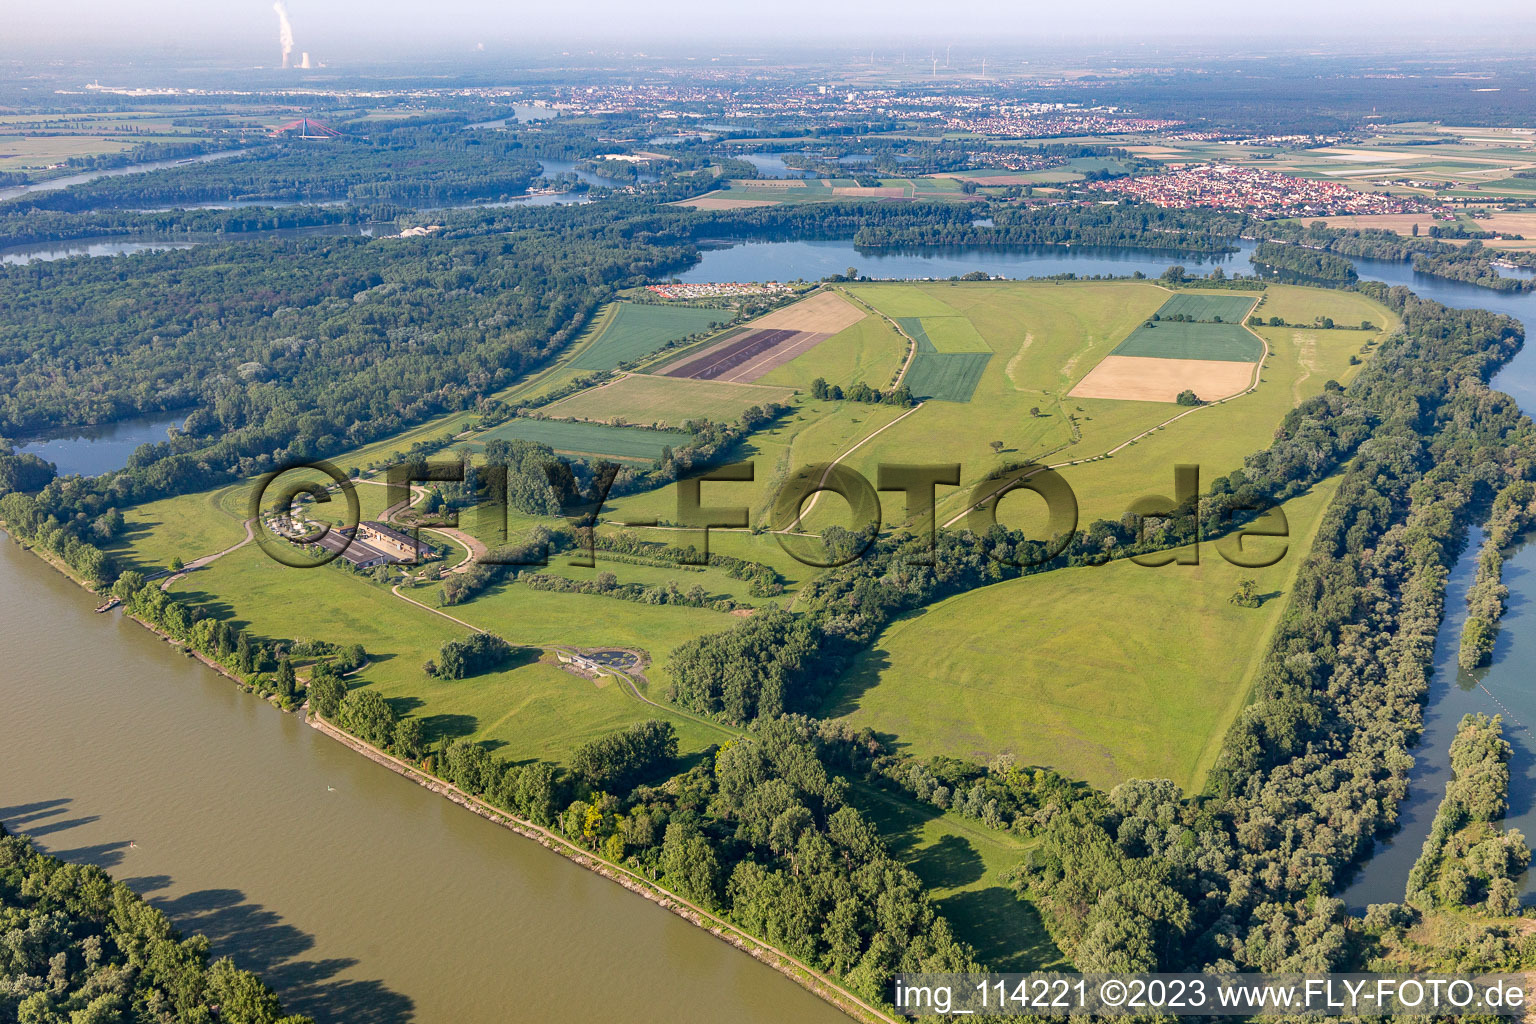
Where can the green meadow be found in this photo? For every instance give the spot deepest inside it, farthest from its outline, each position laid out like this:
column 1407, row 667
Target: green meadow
column 1102, row 673
column 634, row 443
column 528, row 709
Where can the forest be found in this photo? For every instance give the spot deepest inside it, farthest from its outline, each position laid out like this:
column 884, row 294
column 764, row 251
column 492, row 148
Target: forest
column 364, row 336
column 418, row 166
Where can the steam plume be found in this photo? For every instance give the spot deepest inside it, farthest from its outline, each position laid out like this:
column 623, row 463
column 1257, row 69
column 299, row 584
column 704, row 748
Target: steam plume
column 284, row 30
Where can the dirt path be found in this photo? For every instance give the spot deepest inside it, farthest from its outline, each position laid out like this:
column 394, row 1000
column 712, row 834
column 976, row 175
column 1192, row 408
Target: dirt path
column 911, row 341
column 207, row 560
column 435, row 611
column 827, row 473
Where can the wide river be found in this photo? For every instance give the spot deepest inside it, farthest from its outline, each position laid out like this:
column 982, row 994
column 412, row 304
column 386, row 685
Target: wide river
column 363, row 897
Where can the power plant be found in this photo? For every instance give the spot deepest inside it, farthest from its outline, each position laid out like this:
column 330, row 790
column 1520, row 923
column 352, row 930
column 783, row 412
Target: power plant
column 284, row 31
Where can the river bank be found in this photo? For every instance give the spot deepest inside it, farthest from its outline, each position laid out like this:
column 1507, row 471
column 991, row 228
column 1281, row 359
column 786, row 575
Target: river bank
column 802, row 974
column 362, row 897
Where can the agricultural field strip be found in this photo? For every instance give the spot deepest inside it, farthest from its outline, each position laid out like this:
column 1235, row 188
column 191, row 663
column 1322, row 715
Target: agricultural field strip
column 917, row 327
column 588, row 438
column 947, row 376
column 1158, row 379
column 640, row 398
column 631, row 331
column 775, row 357
column 1193, row 340
column 821, row 312
column 727, row 358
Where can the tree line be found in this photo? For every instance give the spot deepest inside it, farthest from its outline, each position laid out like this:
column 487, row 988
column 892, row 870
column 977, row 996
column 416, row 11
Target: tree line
column 407, row 165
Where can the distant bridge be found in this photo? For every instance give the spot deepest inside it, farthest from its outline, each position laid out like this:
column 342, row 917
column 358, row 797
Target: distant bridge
column 307, row 128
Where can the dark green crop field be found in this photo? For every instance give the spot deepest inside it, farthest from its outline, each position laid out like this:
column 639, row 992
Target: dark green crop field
column 1177, row 339
column 636, row 330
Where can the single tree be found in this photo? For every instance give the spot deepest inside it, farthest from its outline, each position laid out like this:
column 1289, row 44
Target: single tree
column 285, row 678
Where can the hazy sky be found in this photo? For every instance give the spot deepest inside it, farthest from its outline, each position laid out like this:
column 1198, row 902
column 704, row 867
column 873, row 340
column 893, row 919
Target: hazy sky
column 327, row 26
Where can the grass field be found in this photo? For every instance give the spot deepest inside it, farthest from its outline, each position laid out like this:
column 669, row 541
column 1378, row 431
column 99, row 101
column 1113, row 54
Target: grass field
column 526, row 710
column 185, row 527
column 632, row 331
column 1168, row 339
column 667, row 401
column 633, row 443
column 1104, row 673
column 1231, row 309
column 815, row 432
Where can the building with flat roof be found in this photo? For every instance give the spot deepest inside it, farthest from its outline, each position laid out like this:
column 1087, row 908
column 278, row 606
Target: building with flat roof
column 372, row 544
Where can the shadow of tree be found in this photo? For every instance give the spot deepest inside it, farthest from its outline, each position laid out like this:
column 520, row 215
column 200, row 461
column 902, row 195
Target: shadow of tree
column 16, row 816
column 48, row 828
column 860, row 677
column 404, row 705
column 258, row 940
column 448, row 726
column 1006, row 931
column 949, row 863
column 103, row 855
